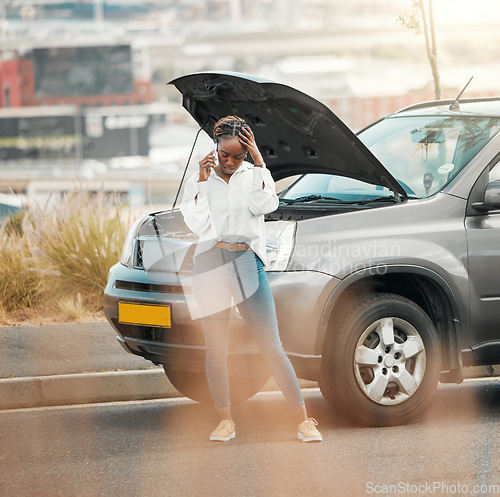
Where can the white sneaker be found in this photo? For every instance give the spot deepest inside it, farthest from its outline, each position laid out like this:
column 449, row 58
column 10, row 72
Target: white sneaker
column 224, row 432
column 308, row 432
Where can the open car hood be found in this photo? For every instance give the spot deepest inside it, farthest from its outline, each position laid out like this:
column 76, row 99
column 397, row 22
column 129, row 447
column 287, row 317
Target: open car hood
column 295, row 133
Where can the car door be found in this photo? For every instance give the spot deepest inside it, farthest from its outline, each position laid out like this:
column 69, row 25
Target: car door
column 483, row 239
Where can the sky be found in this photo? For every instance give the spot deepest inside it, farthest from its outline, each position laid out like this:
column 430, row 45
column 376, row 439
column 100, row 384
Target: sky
column 461, row 13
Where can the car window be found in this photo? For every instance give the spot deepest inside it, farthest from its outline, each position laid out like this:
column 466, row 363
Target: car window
column 425, row 152
column 495, row 172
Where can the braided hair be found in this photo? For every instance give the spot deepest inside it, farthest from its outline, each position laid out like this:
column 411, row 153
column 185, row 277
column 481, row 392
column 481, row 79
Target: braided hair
column 229, row 126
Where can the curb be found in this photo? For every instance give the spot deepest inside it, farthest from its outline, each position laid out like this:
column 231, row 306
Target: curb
column 85, row 388
column 119, row 386
column 91, row 388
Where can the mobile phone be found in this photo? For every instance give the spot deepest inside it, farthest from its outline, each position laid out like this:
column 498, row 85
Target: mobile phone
column 215, row 153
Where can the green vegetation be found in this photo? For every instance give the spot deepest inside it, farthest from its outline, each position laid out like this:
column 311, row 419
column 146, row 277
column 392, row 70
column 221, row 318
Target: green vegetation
column 56, row 259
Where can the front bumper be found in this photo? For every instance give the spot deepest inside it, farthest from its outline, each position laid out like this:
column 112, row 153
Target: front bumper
column 300, row 299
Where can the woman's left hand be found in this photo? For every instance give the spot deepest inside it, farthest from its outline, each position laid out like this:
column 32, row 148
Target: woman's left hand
column 247, row 139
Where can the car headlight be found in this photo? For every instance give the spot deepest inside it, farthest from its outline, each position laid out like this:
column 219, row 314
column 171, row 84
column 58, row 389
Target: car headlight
column 128, row 246
column 280, row 239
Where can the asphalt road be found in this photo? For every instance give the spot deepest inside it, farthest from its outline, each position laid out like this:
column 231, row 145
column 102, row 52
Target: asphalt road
column 63, row 349
column 161, row 448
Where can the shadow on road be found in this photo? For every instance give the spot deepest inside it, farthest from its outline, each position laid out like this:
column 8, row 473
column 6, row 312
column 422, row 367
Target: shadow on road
column 472, row 398
column 267, row 416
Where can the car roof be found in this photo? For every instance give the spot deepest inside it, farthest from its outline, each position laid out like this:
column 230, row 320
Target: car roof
column 486, row 107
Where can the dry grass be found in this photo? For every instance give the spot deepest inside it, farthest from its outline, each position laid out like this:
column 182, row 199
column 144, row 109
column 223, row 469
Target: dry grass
column 72, row 308
column 57, row 263
column 41, row 315
column 20, row 281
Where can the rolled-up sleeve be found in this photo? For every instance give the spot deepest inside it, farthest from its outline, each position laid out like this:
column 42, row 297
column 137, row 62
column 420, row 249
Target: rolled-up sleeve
column 195, row 206
column 263, row 198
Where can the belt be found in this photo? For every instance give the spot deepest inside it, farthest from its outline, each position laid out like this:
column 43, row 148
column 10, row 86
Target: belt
column 233, row 247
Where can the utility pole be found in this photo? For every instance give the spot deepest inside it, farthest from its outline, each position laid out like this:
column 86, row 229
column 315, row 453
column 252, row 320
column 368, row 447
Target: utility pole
column 414, row 20
column 235, row 9
column 431, row 47
column 99, row 12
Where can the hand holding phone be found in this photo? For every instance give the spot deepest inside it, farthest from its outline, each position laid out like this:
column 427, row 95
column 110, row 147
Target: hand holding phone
column 208, row 162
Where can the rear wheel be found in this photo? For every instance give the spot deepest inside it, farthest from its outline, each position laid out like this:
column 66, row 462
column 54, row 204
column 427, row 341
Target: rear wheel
column 195, row 385
column 381, row 363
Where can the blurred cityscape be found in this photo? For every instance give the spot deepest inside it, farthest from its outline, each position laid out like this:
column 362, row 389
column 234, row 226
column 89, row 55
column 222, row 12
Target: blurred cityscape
column 84, row 100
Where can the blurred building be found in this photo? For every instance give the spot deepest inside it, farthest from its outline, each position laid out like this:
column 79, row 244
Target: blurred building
column 82, row 75
column 71, row 133
column 16, row 83
column 78, row 78
column 362, row 108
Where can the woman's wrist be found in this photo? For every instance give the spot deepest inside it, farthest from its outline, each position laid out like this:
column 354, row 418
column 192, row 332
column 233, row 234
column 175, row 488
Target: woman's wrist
column 258, row 162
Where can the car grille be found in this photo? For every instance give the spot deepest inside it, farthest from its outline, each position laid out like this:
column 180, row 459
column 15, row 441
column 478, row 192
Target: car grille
column 152, row 288
column 178, row 334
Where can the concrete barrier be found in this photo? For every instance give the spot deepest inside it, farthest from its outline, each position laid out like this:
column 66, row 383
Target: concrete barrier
column 17, row 393
column 89, row 388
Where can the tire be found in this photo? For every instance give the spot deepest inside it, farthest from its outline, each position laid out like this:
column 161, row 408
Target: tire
column 194, row 385
column 381, row 363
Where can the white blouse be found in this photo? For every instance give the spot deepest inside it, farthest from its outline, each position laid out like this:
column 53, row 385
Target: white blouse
column 230, row 212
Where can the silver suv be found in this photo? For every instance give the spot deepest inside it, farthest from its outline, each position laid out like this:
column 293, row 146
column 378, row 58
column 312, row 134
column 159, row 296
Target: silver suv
column 383, row 256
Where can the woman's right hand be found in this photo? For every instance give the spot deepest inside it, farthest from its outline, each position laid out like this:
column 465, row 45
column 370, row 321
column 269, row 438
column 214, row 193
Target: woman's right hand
column 206, row 164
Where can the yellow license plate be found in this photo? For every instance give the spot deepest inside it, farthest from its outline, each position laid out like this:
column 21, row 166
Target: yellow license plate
column 145, row 314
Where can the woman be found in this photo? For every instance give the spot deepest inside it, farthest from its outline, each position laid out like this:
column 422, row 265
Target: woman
column 225, row 204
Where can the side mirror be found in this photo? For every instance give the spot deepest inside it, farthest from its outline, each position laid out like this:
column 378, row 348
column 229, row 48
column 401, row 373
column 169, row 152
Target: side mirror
column 491, row 200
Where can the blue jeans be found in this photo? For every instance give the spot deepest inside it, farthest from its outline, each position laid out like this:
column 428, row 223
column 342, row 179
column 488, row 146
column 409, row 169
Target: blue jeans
column 222, row 278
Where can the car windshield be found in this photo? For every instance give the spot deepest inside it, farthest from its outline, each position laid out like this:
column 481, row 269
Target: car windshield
column 423, row 153
column 328, row 188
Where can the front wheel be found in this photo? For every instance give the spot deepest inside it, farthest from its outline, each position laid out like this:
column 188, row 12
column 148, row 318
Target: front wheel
column 381, row 363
